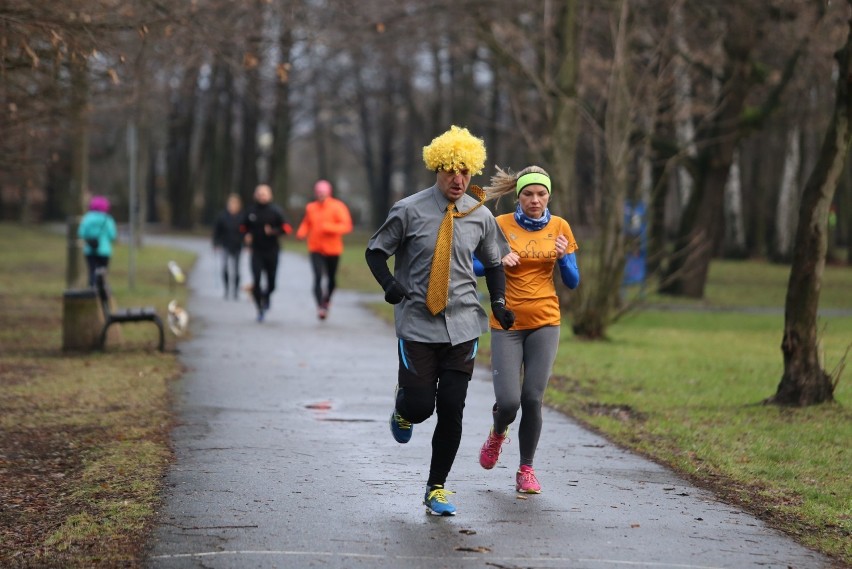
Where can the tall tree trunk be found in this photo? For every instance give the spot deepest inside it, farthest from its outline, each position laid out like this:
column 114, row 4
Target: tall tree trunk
column 79, row 167
column 684, row 127
column 439, row 105
column 663, row 158
column 563, row 153
column 788, row 199
column 387, row 135
column 224, row 152
column 379, row 193
column 495, row 113
column 843, row 231
column 56, row 182
column 461, row 86
column 142, row 172
column 180, row 128
column 657, row 216
column 735, row 245
column 153, row 184
column 757, row 223
column 250, row 104
column 705, row 213
column 249, row 152
column 804, row 381
column 412, row 137
column 202, row 110
column 279, row 162
column 212, row 161
column 703, row 219
column 320, row 135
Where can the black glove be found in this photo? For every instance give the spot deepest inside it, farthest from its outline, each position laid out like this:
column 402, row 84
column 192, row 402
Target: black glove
column 395, row 292
column 504, row 316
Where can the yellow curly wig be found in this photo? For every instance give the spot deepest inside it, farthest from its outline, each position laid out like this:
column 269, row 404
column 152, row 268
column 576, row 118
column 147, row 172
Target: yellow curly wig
column 455, row 150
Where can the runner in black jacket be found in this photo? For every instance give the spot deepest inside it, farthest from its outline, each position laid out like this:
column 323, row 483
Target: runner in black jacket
column 262, row 225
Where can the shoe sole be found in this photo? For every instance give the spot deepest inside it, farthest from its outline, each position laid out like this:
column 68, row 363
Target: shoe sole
column 505, row 440
column 432, row 512
column 485, row 466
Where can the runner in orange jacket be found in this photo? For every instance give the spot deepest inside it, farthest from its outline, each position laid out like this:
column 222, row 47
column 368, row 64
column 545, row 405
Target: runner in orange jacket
column 326, row 221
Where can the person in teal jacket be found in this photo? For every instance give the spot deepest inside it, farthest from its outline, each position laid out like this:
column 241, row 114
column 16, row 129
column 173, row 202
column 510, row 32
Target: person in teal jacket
column 97, row 229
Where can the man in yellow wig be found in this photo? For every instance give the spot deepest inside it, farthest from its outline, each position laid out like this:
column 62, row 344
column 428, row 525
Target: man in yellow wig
column 433, row 235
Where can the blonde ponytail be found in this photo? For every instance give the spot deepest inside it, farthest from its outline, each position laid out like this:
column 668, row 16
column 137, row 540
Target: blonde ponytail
column 505, row 181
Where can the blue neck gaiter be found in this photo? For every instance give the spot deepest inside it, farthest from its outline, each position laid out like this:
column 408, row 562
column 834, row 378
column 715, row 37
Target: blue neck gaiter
column 529, row 223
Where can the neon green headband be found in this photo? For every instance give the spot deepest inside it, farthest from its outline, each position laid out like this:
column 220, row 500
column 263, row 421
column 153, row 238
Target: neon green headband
column 531, row 179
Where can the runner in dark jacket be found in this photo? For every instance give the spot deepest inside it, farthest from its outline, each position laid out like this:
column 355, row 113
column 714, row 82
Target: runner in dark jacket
column 228, row 239
column 263, row 223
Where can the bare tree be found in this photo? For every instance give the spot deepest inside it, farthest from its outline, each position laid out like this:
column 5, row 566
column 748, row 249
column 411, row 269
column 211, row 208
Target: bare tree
column 56, row 62
column 538, row 56
column 719, row 131
column 598, row 298
column 804, row 381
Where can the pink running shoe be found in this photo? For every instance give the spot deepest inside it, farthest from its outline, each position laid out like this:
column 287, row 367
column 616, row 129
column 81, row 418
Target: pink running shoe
column 490, row 451
column 526, row 482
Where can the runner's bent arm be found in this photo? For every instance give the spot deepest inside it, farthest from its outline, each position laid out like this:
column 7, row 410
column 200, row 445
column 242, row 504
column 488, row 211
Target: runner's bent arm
column 377, row 261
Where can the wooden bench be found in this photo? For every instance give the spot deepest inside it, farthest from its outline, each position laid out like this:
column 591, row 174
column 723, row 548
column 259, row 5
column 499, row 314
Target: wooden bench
column 113, row 316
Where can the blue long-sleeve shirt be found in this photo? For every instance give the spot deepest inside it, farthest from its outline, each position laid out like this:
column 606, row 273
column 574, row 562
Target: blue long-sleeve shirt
column 568, row 269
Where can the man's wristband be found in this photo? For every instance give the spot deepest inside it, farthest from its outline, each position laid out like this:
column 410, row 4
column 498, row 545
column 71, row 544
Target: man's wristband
column 499, row 302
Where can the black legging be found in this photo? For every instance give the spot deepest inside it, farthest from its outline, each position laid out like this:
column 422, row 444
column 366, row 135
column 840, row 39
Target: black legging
column 263, row 262
column 324, row 266
column 447, row 398
column 434, row 377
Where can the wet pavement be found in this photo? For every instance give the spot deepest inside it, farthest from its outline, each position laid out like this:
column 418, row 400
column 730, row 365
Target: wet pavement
column 284, row 459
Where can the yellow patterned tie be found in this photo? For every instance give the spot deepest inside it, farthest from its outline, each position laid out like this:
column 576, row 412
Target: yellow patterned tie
column 439, row 277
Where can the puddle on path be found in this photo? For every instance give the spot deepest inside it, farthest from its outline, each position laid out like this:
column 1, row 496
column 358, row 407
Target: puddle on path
column 321, row 410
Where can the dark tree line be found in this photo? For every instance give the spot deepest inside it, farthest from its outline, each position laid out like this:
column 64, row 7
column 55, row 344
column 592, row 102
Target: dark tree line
column 711, row 113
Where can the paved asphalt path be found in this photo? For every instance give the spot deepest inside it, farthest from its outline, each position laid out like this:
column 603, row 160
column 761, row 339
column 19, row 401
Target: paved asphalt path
column 285, row 459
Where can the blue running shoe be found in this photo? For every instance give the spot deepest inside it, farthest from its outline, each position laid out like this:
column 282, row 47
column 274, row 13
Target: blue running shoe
column 436, row 501
column 400, row 428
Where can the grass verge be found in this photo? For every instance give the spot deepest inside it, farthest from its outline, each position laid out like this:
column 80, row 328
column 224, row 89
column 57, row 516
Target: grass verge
column 84, row 437
column 686, row 388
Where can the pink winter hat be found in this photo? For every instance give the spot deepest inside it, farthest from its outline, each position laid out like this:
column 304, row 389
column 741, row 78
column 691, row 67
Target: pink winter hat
column 99, row 203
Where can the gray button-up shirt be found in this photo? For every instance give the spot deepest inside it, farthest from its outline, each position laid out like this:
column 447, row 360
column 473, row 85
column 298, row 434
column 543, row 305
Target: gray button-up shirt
column 409, row 233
